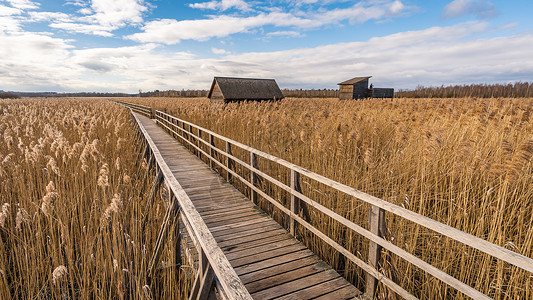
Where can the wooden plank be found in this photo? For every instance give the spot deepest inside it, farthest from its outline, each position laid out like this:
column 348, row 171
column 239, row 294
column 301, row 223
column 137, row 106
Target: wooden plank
column 209, row 206
column 285, row 277
column 223, row 212
column 272, row 262
column 231, row 221
column 346, row 292
column 295, row 285
column 249, row 238
column 260, row 249
column 232, row 215
column 326, row 289
column 252, row 244
column 279, row 269
column 237, row 262
column 214, row 230
column 269, row 226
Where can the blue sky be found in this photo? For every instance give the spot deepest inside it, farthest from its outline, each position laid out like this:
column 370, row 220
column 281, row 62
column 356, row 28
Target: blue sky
column 127, row 45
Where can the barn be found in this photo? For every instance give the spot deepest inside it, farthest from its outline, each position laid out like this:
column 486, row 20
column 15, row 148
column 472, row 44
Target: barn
column 227, row 89
column 357, row 88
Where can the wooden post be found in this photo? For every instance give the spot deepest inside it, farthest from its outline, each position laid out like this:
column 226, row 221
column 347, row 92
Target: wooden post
column 229, row 162
column 377, row 222
column 192, row 139
column 176, row 128
column 199, row 131
column 253, row 176
column 212, row 151
column 295, row 202
column 152, row 113
column 183, row 133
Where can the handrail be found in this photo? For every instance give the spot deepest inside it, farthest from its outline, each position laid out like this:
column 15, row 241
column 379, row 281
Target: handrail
column 172, row 124
column 503, row 254
column 233, row 288
column 142, row 109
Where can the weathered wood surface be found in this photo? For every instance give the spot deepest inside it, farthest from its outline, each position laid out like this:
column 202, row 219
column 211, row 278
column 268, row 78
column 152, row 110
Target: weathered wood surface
column 268, row 260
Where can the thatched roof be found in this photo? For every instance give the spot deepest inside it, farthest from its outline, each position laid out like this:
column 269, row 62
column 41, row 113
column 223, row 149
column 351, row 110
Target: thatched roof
column 354, row 80
column 246, row 88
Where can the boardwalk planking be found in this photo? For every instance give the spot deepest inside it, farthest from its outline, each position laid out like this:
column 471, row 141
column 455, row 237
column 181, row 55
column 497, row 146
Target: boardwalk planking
column 268, row 260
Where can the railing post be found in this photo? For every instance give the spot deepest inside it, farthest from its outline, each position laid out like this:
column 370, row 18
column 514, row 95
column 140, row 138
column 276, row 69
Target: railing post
column 295, row 202
column 183, row 132
column 192, row 138
column 229, row 161
column 152, row 113
column 377, row 222
column 212, row 150
column 199, row 131
column 253, row 176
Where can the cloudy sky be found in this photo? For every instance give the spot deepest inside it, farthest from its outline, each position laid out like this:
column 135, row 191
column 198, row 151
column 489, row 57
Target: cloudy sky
column 127, row 45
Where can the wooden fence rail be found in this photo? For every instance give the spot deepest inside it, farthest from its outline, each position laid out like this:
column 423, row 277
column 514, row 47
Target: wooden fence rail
column 184, row 132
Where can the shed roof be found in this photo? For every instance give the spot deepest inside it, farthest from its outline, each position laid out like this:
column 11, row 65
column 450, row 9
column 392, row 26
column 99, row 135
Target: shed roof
column 354, row 80
column 246, row 88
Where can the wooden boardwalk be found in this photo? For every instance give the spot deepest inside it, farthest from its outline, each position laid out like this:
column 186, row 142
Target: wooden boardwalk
column 270, row 262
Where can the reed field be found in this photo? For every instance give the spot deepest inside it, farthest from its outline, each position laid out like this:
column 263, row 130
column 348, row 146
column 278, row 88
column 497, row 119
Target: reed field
column 465, row 162
column 73, row 194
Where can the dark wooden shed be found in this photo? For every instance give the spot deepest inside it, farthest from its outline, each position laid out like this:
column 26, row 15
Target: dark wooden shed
column 357, row 88
column 226, row 89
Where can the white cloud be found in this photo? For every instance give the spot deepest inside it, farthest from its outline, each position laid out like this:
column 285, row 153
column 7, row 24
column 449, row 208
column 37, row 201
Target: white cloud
column 434, row 56
column 9, row 11
column 481, row 8
column 171, row 31
column 288, row 33
column 92, row 29
column 9, row 24
column 102, row 17
column 219, row 51
column 31, row 60
column 222, row 5
column 39, row 16
column 23, row 4
column 116, row 12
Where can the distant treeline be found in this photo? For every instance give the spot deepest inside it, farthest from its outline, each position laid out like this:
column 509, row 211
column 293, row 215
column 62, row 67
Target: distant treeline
column 518, row 89
column 4, row 95
column 174, row 93
column 301, row 93
column 82, row 94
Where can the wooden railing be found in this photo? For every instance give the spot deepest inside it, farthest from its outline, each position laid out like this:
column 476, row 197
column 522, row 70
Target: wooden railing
column 213, row 267
column 141, row 109
column 197, row 138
